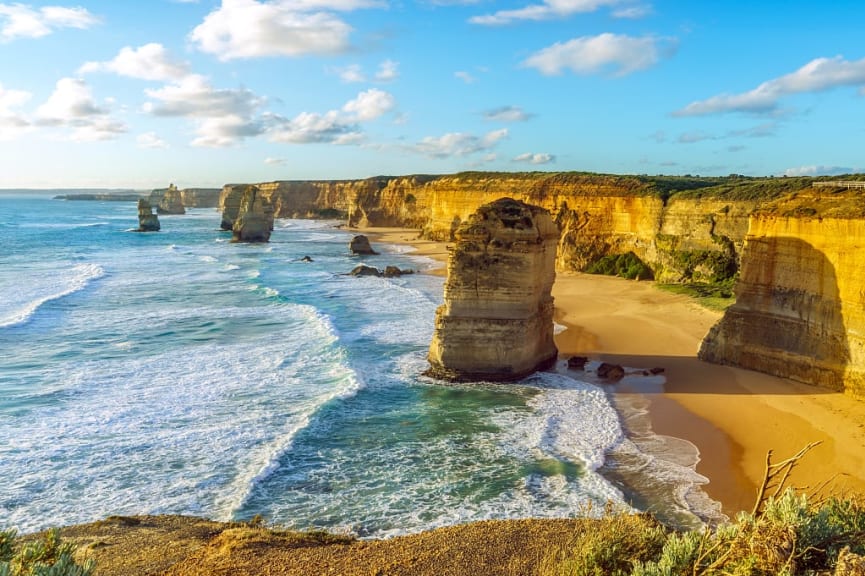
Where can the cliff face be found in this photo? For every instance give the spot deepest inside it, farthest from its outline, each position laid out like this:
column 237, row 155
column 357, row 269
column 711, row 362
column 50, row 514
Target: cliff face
column 496, row 322
column 800, row 308
column 680, row 239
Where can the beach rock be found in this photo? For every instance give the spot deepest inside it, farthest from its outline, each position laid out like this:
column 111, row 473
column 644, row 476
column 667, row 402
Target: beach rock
column 360, row 245
column 393, row 272
column 171, row 202
column 496, row 322
column 147, row 220
column 254, row 217
column 657, row 370
column 610, row 371
column 364, row 270
column 306, row 259
column 577, row 362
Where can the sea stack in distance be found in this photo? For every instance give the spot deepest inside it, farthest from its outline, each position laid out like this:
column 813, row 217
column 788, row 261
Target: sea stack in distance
column 254, row 217
column 147, row 220
column 496, row 322
column 172, row 202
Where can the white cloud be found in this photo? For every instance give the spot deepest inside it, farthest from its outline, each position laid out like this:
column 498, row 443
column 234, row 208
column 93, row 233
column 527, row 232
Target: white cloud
column 151, row 140
column 352, row 74
column 591, row 54
column 387, row 71
column 818, row 170
column 223, row 117
column 148, row 62
column 459, row 144
column 252, row 28
column 535, row 158
column 370, row 104
column 335, row 126
column 12, row 122
column 23, row 21
column 507, row 114
column 817, row 75
column 550, row 9
column 465, row 77
column 271, row 161
column 310, row 127
column 71, row 105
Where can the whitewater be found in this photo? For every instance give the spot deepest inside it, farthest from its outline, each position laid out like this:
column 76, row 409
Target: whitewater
column 176, row 372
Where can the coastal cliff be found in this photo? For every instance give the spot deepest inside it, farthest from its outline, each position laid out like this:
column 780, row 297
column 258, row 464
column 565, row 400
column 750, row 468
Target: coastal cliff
column 799, row 309
column 496, row 322
column 686, row 229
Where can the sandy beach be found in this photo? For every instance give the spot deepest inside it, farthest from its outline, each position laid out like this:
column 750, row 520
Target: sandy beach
column 733, row 416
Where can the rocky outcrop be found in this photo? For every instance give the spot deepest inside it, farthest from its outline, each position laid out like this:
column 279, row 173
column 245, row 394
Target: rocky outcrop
column 147, row 220
column 254, row 217
column 799, row 308
column 496, row 322
column 389, row 271
column 360, row 245
column 171, row 202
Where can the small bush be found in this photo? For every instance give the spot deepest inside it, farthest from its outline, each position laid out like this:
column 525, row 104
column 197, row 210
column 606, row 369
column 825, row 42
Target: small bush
column 47, row 556
column 789, row 537
column 626, row 265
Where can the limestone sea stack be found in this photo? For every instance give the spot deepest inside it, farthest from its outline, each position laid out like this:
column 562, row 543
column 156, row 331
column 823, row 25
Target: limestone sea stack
column 147, row 220
column 496, row 322
column 254, row 217
column 231, row 196
column 172, row 202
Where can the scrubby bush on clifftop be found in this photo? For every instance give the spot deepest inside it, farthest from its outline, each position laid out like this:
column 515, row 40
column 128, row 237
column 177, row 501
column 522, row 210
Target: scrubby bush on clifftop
column 789, row 536
column 47, row 556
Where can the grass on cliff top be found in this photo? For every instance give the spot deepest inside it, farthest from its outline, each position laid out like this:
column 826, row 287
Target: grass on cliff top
column 732, row 187
column 790, row 536
column 46, row 556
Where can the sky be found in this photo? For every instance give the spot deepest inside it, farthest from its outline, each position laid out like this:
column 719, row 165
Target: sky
column 137, row 94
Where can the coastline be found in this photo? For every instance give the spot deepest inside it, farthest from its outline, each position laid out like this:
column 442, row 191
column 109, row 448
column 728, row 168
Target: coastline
column 733, row 416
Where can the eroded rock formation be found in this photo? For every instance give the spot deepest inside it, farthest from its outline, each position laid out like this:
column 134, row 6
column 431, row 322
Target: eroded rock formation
column 496, row 322
column 147, row 220
column 254, row 217
column 799, row 311
column 360, row 245
column 171, row 202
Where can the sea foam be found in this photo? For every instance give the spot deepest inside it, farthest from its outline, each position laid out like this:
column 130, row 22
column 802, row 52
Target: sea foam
column 28, row 295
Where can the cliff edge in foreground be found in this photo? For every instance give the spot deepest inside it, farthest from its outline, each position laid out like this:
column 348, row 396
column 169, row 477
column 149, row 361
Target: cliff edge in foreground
column 496, row 322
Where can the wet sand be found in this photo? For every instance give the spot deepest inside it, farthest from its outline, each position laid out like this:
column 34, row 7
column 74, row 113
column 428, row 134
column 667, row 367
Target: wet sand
column 733, row 416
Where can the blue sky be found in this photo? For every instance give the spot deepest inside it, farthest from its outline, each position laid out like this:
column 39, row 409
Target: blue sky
column 202, row 93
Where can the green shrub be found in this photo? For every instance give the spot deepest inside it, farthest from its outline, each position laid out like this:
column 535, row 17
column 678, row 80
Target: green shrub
column 789, row 537
column 46, row 556
column 626, row 265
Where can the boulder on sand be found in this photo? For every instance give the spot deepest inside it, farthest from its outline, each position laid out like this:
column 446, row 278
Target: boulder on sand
column 360, row 245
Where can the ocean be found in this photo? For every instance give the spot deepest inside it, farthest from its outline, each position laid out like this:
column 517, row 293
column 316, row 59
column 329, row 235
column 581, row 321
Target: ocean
column 178, row 373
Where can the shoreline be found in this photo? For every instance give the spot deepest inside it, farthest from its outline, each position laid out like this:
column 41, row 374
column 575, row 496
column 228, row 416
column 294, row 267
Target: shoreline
column 733, row 416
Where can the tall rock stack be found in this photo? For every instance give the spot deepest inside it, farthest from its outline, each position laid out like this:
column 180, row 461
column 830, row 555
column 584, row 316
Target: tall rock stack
column 496, row 322
column 147, row 220
column 172, row 202
column 254, row 217
column 230, row 201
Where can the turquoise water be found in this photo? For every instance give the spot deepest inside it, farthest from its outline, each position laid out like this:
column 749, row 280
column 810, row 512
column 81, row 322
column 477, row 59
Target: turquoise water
column 176, row 372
